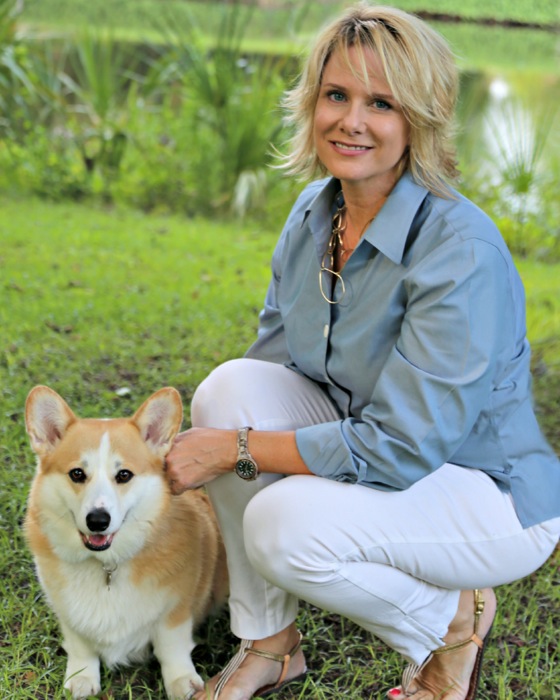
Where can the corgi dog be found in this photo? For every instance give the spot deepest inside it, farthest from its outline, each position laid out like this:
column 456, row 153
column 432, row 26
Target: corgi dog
column 126, row 566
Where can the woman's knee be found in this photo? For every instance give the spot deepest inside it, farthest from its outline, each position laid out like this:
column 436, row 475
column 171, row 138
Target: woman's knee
column 276, row 539
column 216, row 401
column 265, row 538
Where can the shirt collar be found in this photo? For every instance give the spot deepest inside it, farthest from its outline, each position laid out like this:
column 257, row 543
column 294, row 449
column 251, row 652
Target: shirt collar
column 388, row 232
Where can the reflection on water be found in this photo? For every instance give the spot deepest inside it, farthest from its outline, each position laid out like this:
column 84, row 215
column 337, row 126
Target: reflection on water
column 502, row 140
column 499, row 89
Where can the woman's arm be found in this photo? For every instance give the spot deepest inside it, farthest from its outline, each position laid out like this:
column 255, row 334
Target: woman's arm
column 199, row 455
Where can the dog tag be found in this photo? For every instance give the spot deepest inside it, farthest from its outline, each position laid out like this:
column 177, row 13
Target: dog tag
column 108, row 576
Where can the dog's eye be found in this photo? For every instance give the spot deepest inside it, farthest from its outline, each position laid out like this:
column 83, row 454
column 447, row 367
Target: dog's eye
column 78, row 476
column 123, row 476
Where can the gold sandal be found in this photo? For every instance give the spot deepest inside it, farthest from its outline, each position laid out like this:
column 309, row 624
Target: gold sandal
column 246, row 647
column 413, row 670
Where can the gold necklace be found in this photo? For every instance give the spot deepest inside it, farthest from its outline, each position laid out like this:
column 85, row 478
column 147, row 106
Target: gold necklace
column 339, row 229
column 327, row 268
column 335, row 243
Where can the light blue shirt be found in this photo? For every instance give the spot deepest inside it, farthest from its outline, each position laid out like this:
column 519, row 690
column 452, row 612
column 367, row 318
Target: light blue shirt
column 425, row 356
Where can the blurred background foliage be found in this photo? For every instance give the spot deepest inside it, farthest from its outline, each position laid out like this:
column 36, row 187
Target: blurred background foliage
column 169, row 105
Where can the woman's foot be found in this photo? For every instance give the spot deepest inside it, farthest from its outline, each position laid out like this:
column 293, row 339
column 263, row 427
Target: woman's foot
column 447, row 675
column 256, row 672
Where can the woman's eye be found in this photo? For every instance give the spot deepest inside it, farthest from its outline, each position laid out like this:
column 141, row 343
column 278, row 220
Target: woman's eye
column 381, row 104
column 336, row 96
column 78, row 476
column 123, row 476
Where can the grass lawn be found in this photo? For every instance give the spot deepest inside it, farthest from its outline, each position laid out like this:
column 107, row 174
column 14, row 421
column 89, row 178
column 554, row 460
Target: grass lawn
column 95, row 301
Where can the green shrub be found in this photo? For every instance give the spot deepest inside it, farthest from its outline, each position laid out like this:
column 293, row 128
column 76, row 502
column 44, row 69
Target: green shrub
column 189, row 127
column 48, row 165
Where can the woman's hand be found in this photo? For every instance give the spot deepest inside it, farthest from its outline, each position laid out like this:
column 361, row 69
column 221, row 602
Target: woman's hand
column 198, row 456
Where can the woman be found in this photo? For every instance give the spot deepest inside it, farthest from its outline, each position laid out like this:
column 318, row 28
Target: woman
column 391, row 362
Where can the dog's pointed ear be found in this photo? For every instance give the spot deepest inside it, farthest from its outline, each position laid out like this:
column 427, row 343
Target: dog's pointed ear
column 159, row 419
column 47, row 418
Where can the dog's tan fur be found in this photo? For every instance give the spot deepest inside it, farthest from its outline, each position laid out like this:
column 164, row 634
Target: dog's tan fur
column 160, row 571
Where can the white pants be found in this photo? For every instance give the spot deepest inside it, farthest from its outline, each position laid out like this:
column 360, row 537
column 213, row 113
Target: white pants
column 393, row 562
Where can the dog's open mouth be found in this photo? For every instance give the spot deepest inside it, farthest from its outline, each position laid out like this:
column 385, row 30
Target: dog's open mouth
column 97, row 543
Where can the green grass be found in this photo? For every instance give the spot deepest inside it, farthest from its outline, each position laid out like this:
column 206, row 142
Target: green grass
column 542, row 287
column 96, row 300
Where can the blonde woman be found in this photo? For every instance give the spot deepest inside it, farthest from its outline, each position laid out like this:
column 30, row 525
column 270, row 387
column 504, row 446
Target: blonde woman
column 393, row 472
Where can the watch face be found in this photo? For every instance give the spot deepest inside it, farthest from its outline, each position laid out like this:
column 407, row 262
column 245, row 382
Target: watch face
column 246, row 469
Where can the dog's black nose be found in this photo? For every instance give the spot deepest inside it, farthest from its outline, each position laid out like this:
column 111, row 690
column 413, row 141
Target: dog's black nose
column 98, row 520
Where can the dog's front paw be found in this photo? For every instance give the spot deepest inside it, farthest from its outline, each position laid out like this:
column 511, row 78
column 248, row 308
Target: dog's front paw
column 184, row 687
column 82, row 686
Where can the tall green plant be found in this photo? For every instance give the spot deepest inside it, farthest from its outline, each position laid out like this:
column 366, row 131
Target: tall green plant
column 101, row 83
column 232, row 106
column 518, row 143
column 520, row 139
column 15, row 84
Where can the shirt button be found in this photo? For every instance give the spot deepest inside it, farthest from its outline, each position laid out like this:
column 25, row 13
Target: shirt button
column 326, row 331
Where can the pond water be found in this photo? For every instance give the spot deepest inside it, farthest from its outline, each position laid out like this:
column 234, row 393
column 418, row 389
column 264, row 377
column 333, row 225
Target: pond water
column 508, row 129
column 510, row 99
column 519, row 116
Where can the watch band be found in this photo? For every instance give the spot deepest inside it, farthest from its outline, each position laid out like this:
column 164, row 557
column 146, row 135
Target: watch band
column 243, row 442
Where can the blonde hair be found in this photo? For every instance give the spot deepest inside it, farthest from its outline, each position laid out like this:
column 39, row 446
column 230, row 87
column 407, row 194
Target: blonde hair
column 421, row 72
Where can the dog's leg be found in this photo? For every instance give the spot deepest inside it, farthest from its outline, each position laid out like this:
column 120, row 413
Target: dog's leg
column 82, row 669
column 173, row 647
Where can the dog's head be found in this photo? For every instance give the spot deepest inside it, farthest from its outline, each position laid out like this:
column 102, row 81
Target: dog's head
column 100, row 482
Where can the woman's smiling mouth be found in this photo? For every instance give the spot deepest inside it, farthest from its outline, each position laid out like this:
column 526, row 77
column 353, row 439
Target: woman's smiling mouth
column 350, row 147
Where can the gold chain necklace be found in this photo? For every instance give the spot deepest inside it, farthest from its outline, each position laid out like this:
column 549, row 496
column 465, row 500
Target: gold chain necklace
column 338, row 230
column 336, row 239
column 335, row 243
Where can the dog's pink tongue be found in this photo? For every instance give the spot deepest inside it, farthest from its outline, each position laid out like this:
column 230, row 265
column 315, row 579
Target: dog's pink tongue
column 98, row 540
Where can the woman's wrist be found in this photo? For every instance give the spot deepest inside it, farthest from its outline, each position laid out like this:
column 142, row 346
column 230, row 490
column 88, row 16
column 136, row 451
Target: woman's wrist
column 230, row 450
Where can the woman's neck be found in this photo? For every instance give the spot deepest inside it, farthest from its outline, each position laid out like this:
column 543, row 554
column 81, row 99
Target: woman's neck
column 362, row 206
column 358, row 216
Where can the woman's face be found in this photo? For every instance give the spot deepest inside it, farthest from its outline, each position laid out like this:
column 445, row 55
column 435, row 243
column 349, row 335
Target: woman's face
column 360, row 132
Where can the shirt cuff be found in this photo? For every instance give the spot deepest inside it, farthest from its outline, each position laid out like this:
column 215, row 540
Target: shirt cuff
column 325, row 453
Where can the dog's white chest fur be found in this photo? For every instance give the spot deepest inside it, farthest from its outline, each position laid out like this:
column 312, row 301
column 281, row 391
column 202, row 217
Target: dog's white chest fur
column 116, row 616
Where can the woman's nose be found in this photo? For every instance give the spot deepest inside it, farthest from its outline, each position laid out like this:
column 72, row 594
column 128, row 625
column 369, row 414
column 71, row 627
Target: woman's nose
column 353, row 119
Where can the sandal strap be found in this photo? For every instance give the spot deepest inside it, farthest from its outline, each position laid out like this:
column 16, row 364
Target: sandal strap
column 459, row 645
column 410, row 673
column 283, row 659
column 413, row 670
column 234, row 663
column 478, row 610
column 246, row 647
